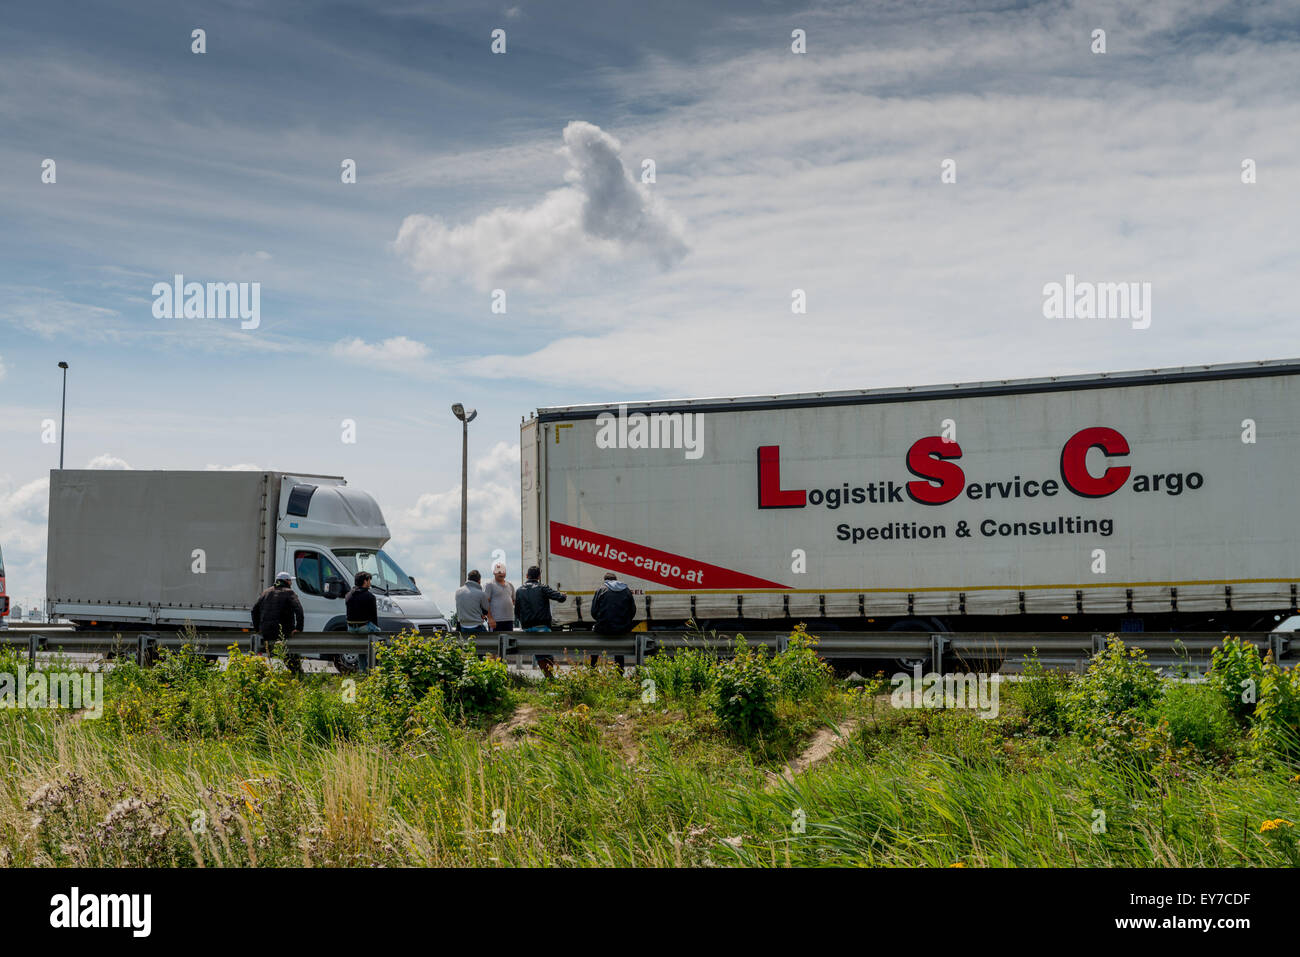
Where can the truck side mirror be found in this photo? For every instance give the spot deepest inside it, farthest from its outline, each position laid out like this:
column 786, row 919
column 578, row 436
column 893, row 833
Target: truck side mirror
column 413, row 585
column 334, row 588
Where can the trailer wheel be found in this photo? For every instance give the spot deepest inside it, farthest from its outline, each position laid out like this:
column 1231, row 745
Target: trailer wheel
column 347, row 663
column 927, row 625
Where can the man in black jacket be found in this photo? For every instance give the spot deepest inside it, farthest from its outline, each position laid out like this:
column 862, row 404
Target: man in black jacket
column 362, row 608
column 277, row 613
column 613, row 609
column 533, row 609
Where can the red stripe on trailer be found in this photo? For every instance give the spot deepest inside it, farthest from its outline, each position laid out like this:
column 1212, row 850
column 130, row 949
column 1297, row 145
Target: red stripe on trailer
column 646, row 563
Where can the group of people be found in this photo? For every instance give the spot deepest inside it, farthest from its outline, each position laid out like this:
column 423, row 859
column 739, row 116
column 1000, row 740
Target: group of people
column 498, row 606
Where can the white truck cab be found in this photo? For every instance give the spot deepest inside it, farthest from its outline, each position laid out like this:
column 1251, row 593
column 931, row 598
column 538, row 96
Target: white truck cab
column 328, row 532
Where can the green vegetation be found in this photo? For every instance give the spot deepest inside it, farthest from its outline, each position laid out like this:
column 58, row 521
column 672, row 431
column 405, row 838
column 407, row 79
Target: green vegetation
column 437, row 757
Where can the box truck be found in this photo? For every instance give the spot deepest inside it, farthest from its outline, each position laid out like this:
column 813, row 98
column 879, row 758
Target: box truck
column 1154, row 500
column 166, row 548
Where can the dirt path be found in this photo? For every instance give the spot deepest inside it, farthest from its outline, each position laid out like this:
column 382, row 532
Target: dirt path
column 509, row 732
column 622, row 733
column 823, row 744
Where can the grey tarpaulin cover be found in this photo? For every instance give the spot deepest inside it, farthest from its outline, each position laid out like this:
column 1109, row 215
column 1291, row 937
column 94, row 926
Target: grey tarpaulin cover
column 130, row 537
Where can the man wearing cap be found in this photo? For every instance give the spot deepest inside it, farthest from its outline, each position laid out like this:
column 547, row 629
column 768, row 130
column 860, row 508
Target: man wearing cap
column 277, row 613
column 362, row 609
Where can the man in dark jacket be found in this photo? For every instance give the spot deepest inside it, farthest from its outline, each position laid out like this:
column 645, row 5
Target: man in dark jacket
column 613, row 609
column 533, row 609
column 277, row 613
column 362, row 608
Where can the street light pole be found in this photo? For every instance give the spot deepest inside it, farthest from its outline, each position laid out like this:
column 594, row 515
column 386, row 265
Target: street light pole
column 466, row 418
column 63, row 414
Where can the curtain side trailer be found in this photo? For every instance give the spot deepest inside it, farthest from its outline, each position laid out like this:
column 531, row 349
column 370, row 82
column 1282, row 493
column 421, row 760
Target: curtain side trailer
column 1155, row 500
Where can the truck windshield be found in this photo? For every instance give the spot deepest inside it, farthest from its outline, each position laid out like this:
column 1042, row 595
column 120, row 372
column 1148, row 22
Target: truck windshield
column 386, row 575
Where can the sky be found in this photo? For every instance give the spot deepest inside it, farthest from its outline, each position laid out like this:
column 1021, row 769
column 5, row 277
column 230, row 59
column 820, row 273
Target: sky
column 520, row 176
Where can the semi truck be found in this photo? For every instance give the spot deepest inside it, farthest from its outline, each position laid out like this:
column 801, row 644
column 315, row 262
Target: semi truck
column 1158, row 500
column 166, row 549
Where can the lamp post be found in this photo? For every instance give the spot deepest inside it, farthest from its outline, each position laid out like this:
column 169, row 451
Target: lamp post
column 466, row 417
column 63, row 414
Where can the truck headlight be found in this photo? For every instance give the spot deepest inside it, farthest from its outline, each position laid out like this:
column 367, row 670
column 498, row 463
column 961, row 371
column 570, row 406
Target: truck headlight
column 389, row 607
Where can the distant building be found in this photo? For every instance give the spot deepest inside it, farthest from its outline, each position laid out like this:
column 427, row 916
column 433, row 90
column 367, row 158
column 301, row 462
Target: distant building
column 16, row 612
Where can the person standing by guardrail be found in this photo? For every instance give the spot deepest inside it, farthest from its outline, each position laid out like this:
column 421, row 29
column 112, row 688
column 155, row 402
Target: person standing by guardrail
column 362, row 608
column 472, row 606
column 277, row 614
column 501, row 598
column 533, row 609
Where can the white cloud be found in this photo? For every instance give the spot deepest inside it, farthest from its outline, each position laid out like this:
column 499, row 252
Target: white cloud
column 107, row 461
column 823, row 174
column 502, row 459
column 23, row 513
column 241, row 467
column 426, row 536
column 27, row 503
column 398, row 350
column 603, row 215
column 52, row 316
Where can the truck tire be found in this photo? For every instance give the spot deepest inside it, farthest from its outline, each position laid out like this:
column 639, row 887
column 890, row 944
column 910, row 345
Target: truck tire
column 927, row 625
column 348, row 663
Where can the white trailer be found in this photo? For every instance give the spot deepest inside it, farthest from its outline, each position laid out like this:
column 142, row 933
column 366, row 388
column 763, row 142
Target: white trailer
column 1147, row 500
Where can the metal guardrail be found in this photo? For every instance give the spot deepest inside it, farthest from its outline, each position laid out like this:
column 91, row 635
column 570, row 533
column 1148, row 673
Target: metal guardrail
column 970, row 651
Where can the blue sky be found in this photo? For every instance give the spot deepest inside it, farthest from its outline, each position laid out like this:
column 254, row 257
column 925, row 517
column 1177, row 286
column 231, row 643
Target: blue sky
column 775, row 171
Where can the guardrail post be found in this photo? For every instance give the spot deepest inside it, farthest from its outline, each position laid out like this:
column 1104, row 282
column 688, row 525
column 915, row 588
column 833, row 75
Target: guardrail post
column 32, row 641
column 1098, row 644
column 141, row 650
column 370, row 652
column 255, row 643
column 1278, row 645
column 782, row 641
column 937, row 643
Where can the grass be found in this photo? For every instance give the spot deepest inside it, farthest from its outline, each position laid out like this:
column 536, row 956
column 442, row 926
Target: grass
column 601, row 776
